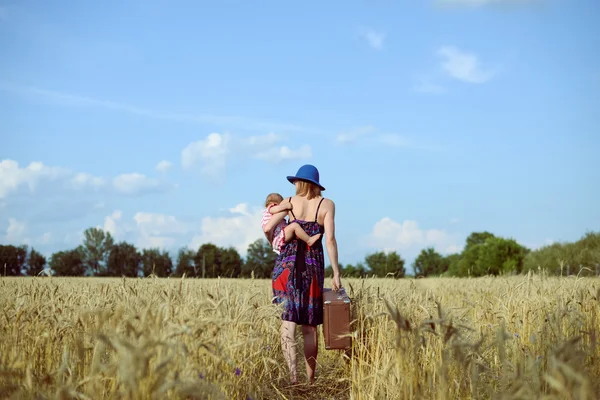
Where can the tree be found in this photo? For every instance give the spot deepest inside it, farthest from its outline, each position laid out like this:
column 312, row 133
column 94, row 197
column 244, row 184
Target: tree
column 260, row 259
column 231, row 262
column 354, row 271
column 452, row 261
column 382, row 264
column 12, row 259
column 501, row 256
column 68, row 263
column 35, row 263
column 430, row 262
column 123, row 260
column 97, row 245
column 185, row 262
column 208, row 261
column 556, row 258
column 476, row 238
column 157, row 263
column 494, row 256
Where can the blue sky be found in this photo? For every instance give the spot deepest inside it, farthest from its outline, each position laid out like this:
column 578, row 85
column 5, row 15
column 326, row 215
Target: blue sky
column 167, row 123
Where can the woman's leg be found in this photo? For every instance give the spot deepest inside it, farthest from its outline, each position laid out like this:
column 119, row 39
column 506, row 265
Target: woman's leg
column 288, row 345
column 311, row 348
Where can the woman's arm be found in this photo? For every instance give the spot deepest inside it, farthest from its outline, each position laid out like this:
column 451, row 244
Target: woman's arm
column 331, row 244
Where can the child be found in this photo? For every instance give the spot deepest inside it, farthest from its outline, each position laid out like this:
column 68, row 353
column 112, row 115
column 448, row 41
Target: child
column 282, row 232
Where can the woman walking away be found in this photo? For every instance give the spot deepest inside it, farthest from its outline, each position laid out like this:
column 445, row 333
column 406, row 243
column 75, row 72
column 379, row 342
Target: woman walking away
column 299, row 271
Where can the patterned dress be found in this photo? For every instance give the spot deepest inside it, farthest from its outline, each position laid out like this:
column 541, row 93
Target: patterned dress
column 299, row 275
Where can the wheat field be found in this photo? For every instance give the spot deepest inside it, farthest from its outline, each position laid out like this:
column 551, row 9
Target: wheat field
column 526, row 337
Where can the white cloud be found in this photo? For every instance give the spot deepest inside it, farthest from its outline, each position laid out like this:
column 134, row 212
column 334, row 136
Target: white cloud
column 353, row 135
column 463, row 66
column 36, row 174
column 146, row 230
column 152, row 224
column 454, row 248
column 111, row 223
column 164, row 166
column 264, row 140
column 374, row 38
column 239, row 229
column 15, row 233
column 241, row 208
column 278, row 154
column 157, row 230
column 82, row 180
column 12, row 177
column 135, row 183
column 211, row 153
column 408, row 237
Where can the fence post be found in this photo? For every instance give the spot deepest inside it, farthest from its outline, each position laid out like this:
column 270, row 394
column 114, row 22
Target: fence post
column 568, row 269
column 597, row 269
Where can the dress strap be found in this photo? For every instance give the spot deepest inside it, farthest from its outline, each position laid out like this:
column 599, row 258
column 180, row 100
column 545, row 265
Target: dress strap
column 292, row 211
column 319, row 206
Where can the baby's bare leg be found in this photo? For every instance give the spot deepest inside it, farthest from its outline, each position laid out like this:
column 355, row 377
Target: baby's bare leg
column 295, row 229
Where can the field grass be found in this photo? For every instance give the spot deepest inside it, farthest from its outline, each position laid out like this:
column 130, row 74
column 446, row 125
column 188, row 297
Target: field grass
column 527, row 337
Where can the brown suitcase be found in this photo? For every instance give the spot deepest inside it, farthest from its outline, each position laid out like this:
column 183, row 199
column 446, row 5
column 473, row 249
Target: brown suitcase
column 336, row 319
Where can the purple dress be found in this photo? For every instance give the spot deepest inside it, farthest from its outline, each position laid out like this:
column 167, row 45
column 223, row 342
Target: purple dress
column 299, row 275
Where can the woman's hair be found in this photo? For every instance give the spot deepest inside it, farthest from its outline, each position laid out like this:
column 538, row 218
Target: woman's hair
column 273, row 198
column 308, row 189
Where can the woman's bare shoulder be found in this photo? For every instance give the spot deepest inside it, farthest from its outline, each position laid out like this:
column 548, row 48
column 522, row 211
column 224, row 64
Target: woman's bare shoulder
column 328, row 204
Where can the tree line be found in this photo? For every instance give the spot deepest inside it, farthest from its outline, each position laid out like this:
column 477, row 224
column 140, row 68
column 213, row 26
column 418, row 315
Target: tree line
column 483, row 254
column 487, row 254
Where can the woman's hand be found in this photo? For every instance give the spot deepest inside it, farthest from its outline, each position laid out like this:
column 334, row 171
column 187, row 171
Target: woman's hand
column 336, row 282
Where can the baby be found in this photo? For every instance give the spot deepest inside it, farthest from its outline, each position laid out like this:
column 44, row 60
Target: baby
column 278, row 231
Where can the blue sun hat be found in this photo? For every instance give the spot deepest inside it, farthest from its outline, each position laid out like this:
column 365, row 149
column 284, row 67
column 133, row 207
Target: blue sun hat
column 308, row 173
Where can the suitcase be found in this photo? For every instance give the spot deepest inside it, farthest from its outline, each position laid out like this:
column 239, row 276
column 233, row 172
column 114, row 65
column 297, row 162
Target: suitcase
column 336, row 319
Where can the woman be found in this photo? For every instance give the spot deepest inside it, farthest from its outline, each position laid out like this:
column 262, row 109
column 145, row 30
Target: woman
column 299, row 271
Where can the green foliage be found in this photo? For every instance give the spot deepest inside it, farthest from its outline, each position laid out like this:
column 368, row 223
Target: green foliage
column 185, row 262
column 12, row 260
column 354, row 271
column 123, row 260
column 97, row 246
column 208, row 261
column 483, row 254
column 260, row 259
column 476, row 238
column 564, row 258
column 486, row 254
column 68, row 263
column 430, row 262
column 156, row 262
column 231, row 262
column 381, row 264
column 35, row 263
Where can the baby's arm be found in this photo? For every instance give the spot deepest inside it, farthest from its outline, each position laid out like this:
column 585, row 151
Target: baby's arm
column 283, row 206
column 278, row 214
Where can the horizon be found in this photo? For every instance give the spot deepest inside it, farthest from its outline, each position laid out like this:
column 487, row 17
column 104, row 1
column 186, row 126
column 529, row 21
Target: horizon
column 167, row 126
